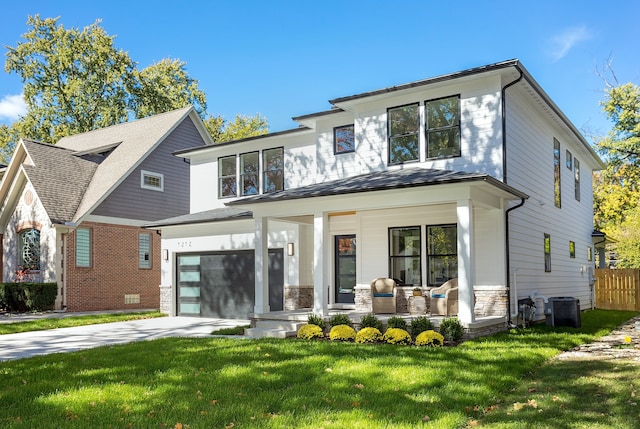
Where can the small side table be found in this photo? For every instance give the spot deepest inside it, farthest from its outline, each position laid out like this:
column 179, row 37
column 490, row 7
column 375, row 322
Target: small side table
column 417, row 305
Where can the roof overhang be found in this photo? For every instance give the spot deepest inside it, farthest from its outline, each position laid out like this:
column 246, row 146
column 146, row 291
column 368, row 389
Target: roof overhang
column 223, row 214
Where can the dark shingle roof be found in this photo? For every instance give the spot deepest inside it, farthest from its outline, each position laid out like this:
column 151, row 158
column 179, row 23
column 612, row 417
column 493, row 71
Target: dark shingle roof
column 380, row 181
column 215, row 215
column 59, row 178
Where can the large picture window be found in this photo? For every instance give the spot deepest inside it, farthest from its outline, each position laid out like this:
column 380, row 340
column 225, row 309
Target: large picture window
column 403, row 126
column 344, row 139
column 443, row 127
column 404, row 255
column 273, row 170
column 442, row 253
column 29, row 257
column 227, row 176
column 250, row 173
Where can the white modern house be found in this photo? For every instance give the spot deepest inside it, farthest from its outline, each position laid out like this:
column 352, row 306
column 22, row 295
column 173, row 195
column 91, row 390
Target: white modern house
column 475, row 175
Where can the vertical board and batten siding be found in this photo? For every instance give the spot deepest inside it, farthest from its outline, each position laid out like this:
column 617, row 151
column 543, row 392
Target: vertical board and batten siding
column 530, row 136
column 129, row 200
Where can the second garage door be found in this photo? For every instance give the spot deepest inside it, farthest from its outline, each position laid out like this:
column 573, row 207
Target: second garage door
column 222, row 284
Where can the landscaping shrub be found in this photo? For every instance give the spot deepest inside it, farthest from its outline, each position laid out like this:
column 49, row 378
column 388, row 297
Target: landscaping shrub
column 342, row 333
column 419, row 325
column 339, row 319
column 396, row 322
column 314, row 319
column 20, row 297
column 429, row 338
column 451, row 329
column 368, row 335
column 370, row 321
column 397, row 336
column 310, row 331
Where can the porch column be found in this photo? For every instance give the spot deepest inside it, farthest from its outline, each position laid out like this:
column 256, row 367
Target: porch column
column 320, row 264
column 261, row 266
column 465, row 261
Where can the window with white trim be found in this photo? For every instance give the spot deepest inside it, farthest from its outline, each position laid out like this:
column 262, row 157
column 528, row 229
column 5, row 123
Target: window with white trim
column 144, row 250
column 30, row 249
column 83, row 247
column 150, row 180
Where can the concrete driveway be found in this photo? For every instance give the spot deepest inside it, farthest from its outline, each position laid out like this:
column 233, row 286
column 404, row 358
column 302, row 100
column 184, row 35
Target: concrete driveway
column 27, row 344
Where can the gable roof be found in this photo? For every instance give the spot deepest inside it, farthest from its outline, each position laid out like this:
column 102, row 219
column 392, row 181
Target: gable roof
column 127, row 145
column 60, row 194
column 380, row 181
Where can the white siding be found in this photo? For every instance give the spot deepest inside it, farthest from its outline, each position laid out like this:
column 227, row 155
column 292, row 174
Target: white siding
column 530, row 169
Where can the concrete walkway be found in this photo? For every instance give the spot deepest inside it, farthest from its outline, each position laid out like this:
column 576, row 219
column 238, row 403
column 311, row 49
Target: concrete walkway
column 27, row 344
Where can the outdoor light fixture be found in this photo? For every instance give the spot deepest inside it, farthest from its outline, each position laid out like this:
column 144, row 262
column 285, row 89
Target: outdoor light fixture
column 290, row 250
column 165, row 254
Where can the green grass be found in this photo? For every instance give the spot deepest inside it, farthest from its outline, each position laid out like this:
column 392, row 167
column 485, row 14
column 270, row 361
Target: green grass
column 235, row 330
column 66, row 322
column 223, row 383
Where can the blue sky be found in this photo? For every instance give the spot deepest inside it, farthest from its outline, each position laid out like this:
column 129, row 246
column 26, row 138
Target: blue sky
column 287, row 58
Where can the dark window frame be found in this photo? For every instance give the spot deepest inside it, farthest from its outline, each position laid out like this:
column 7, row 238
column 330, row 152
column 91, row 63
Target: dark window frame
column 336, row 130
column 221, row 177
column 433, row 256
column 557, row 183
column 572, row 249
column 243, row 175
column 390, row 137
column 569, row 160
column 266, row 172
column 576, row 177
column 547, row 253
column 456, row 126
column 393, row 257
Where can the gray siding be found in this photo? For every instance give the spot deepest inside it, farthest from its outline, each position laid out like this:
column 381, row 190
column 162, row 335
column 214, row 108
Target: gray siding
column 130, row 201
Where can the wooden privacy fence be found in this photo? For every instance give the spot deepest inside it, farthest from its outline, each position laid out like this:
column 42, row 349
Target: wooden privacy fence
column 617, row 289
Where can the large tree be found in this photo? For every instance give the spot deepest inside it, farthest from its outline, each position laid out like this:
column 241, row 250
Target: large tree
column 77, row 81
column 617, row 188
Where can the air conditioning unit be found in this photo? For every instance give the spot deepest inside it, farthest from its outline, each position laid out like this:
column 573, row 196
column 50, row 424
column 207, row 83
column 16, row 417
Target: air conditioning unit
column 563, row 311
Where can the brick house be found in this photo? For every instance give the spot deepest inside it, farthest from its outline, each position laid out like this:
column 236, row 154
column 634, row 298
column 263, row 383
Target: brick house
column 72, row 212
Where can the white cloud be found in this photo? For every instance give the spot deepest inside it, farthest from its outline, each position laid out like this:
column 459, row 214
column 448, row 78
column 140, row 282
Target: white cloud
column 563, row 42
column 12, row 107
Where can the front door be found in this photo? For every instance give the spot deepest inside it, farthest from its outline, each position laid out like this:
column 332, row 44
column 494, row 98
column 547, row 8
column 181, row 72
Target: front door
column 345, row 263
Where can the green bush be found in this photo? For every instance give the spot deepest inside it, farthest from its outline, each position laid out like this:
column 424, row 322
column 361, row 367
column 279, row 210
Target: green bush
column 314, row 319
column 368, row 335
column 370, row 321
column 419, row 325
column 451, row 329
column 310, row 331
column 20, row 297
column 396, row 322
column 339, row 319
column 397, row 336
column 429, row 338
column 342, row 333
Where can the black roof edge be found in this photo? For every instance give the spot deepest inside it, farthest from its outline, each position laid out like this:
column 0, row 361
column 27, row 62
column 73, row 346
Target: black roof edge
column 161, row 224
column 246, row 139
column 441, row 78
column 316, row 114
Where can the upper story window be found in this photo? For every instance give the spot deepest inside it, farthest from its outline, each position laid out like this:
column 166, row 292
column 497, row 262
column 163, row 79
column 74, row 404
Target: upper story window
column 227, row 176
column 153, row 181
column 576, row 175
column 556, row 173
column 547, row 253
column 443, row 127
column 344, row 139
column 569, row 160
column 273, row 165
column 29, row 257
column 250, row 173
column 403, row 124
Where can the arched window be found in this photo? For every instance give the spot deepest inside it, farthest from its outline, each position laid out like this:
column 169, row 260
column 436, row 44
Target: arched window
column 30, row 249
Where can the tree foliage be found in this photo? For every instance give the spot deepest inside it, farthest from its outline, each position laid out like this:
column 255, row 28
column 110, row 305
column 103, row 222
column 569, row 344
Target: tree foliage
column 616, row 191
column 77, row 81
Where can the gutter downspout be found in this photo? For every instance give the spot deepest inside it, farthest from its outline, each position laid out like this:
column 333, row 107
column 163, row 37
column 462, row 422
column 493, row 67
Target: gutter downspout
column 504, row 179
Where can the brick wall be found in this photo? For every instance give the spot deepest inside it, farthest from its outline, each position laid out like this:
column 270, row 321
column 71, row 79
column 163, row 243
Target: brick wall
column 114, row 271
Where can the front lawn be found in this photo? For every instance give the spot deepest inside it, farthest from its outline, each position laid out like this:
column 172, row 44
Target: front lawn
column 225, row 383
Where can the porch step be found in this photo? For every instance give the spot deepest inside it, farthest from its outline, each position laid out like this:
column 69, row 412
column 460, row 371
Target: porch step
column 273, row 329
